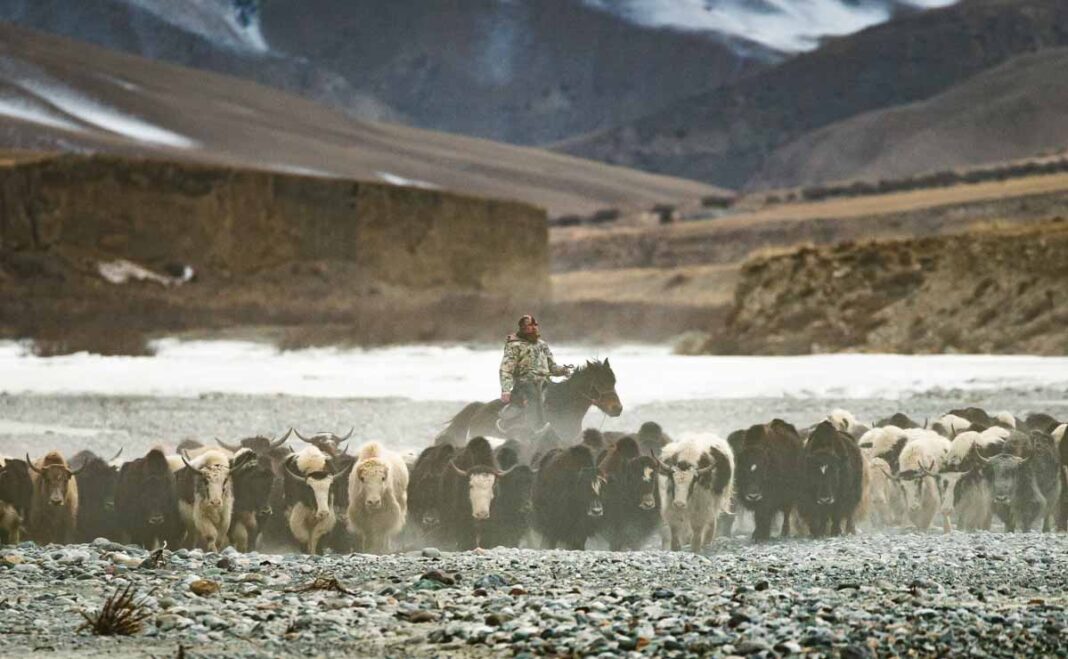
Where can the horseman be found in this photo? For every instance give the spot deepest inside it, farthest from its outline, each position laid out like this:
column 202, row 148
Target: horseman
column 525, row 369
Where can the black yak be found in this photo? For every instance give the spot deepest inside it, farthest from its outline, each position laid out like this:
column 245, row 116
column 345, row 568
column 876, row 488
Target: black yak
column 768, row 468
column 833, row 481
column 567, row 497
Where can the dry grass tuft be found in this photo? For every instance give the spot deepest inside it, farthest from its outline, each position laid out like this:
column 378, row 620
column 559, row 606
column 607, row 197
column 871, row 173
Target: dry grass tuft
column 121, row 615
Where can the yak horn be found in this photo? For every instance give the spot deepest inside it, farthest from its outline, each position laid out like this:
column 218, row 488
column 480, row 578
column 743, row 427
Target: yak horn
column 116, row 456
column 459, row 471
column 346, row 437
column 295, row 476
column 233, row 448
column 301, row 437
column 30, row 462
column 185, row 459
column 281, row 440
column 502, row 474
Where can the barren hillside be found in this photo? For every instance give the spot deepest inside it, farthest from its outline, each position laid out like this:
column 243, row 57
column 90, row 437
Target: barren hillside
column 64, row 95
column 726, row 135
column 1016, row 110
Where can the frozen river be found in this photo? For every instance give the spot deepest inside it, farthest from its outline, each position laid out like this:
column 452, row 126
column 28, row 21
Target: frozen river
column 405, row 395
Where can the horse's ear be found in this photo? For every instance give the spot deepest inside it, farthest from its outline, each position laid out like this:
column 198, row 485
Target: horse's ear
column 606, row 362
column 589, row 363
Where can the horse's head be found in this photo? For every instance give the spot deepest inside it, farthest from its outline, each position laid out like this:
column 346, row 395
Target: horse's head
column 598, row 384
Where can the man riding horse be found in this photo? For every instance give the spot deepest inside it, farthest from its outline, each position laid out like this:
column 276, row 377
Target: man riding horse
column 525, row 369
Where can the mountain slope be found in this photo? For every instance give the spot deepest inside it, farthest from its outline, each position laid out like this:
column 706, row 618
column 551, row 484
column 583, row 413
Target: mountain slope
column 60, row 94
column 725, row 136
column 521, row 72
column 1014, row 111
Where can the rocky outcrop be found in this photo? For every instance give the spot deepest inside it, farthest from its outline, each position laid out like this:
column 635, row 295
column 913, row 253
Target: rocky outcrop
column 994, row 290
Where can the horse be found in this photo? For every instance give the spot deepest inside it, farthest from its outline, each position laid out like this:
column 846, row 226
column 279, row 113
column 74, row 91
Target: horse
column 566, row 403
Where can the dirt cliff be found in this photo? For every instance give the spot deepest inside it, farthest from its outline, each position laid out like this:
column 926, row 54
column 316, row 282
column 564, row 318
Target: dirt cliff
column 228, row 222
column 995, row 290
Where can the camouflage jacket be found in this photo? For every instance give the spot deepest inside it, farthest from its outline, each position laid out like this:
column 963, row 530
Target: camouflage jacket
column 525, row 360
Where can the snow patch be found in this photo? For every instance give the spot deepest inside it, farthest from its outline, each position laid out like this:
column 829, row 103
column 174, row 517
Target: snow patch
column 96, row 114
column 787, row 25
column 20, row 109
column 232, row 24
column 464, row 374
column 393, row 179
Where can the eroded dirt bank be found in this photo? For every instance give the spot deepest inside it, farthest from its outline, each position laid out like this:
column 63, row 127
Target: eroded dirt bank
column 984, row 291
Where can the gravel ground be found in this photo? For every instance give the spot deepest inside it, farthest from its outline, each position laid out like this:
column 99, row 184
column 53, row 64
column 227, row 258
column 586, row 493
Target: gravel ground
column 893, row 593
column 981, row 594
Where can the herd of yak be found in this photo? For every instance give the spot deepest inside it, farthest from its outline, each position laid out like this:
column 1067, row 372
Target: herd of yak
column 623, row 490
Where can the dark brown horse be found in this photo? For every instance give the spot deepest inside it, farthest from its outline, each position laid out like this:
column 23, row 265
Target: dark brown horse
column 566, row 403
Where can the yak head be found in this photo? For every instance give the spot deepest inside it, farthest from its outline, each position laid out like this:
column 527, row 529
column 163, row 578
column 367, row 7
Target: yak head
column 54, row 477
column 373, row 477
column 253, row 481
column 482, row 486
column 320, row 484
column 753, row 471
column 212, row 477
column 1002, row 472
column 823, row 472
column 914, row 484
column 682, row 476
column 589, row 483
column 641, row 479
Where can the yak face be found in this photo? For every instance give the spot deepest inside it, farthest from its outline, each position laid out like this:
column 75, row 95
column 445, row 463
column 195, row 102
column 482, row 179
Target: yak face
column 157, row 499
column 319, row 483
column 213, row 485
column 752, row 474
column 824, row 472
column 641, row 478
column 1003, row 473
column 948, row 484
column 481, row 489
column 256, row 489
column 681, row 479
column 373, row 476
column 515, row 493
column 54, row 481
column 918, row 488
column 590, row 483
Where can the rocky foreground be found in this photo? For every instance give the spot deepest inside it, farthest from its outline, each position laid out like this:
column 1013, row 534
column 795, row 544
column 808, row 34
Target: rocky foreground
column 981, row 594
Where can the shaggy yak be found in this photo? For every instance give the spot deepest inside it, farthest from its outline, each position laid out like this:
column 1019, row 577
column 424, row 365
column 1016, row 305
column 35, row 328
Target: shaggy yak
column 768, row 469
column 833, row 483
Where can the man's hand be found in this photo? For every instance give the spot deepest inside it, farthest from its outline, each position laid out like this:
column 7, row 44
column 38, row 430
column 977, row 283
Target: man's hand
column 506, row 397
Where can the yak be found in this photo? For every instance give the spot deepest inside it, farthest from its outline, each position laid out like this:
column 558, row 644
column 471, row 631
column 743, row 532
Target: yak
column 833, row 483
column 16, row 493
column 377, row 497
column 146, row 502
column 253, row 480
column 1025, row 483
column 469, row 486
column 631, row 497
column 567, row 497
column 97, row 481
column 54, row 506
column 768, row 469
column 695, row 488
column 206, row 499
column 424, row 489
column 309, row 495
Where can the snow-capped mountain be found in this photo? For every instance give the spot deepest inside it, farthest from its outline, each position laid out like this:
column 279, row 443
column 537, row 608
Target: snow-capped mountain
column 786, row 25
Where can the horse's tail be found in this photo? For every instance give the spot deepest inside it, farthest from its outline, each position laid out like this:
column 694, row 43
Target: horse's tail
column 456, row 431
